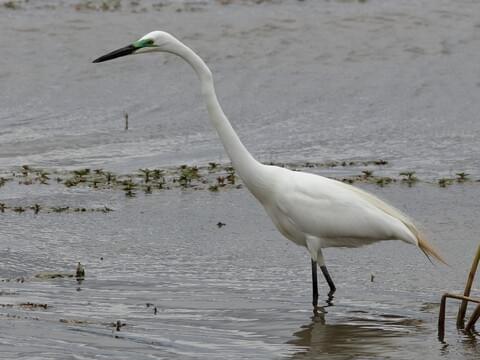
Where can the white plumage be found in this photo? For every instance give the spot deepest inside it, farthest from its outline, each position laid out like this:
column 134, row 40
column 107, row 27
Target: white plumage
column 305, row 205
column 310, row 210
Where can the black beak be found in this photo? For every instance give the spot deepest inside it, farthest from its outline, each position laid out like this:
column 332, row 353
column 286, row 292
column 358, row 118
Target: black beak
column 127, row 50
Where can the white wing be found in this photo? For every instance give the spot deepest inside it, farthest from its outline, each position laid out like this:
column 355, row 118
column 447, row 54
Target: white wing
column 336, row 213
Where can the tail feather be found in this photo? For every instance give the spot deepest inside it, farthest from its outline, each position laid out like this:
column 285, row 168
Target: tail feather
column 429, row 250
column 424, row 245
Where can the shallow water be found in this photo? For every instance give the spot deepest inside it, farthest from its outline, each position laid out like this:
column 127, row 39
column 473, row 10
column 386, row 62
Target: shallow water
column 240, row 291
column 301, row 81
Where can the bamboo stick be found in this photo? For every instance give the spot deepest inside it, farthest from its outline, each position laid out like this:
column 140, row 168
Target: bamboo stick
column 463, row 306
column 473, row 319
column 441, row 315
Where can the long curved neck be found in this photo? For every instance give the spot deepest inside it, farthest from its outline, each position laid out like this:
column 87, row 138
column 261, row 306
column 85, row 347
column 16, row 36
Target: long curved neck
column 249, row 169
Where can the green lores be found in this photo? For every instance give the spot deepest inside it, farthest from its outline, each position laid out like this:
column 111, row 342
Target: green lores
column 143, row 43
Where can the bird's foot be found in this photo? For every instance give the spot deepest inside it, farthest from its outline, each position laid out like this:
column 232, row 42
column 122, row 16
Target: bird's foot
column 318, row 310
column 330, row 298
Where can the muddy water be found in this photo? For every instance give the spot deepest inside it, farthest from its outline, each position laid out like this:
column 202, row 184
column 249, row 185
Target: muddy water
column 303, row 81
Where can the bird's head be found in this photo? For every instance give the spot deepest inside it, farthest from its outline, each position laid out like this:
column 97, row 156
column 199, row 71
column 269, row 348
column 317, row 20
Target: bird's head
column 153, row 41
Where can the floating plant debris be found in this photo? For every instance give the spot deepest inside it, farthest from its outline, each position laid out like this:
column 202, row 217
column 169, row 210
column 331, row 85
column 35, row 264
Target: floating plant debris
column 462, row 176
column 444, row 182
column 80, row 272
column 213, row 177
column 53, row 275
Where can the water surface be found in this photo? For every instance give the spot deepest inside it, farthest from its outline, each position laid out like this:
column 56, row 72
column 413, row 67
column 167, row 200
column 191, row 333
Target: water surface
column 301, row 81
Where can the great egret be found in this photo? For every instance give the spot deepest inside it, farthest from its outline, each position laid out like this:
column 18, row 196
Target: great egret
column 308, row 209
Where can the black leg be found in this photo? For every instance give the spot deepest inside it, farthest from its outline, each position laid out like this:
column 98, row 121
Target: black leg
column 314, row 286
column 329, row 280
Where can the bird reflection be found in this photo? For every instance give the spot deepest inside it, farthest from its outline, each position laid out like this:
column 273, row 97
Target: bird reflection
column 320, row 340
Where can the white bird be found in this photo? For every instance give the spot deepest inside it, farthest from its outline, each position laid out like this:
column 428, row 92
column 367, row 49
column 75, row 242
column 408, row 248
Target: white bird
column 310, row 210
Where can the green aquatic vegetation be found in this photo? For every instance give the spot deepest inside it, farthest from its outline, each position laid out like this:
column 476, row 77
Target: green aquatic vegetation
column 60, row 209
column 71, row 182
column 118, row 325
column 331, row 164
column 382, row 181
column 130, row 193
column 109, row 177
column 191, row 172
column 95, row 182
column 231, row 178
column 42, row 177
column 12, row 5
column 462, row 176
column 409, row 177
column 26, row 182
column 99, row 5
column 43, row 181
column 55, row 209
column 158, row 174
column 74, row 321
column 344, row 163
column 213, row 166
column 367, row 173
column 212, row 177
column 221, row 181
column 25, row 170
column 444, row 182
column 187, row 174
column 36, row 208
column 30, row 305
column 80, row 271
column 79, row 176
column 128, row 184
column 52, row 275
column 184, row 181
column 81, row 172
column 213, row 188
column 146, row 173
column 112, row 5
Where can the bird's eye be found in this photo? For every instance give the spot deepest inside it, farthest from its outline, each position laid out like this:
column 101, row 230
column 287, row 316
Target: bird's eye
column 144, row 43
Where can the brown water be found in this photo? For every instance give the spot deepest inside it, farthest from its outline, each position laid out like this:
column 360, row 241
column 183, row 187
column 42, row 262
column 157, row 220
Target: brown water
column 302, row 81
